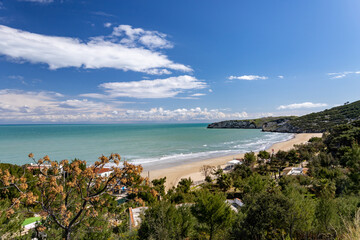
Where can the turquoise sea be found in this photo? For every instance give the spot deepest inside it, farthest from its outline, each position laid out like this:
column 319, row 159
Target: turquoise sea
column 152, row 145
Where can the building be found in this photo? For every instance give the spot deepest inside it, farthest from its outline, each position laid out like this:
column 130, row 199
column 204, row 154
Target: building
column 104, row 172
column 135, row 216
column 235, row 204
column 295, row 171
column 231, row 164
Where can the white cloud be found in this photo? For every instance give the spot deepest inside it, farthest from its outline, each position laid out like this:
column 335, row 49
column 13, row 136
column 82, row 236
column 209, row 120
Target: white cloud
column 198, row 94
column 134, row 36
column 281, row 76
column 22, row 106
column 107, row 24
column 248, row 77
column 342, row 74
column 184, row 114
column 158, row 88
column 99, row 52
column 210, row 90
column 302, row 105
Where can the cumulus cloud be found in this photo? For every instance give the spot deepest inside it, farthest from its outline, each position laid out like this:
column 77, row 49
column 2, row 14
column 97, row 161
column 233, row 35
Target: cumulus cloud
column 23, row 106
column 184, row 114
column 342, row 74
column 158, row 88
column 302, row 105
column 133, row 36
column 120, row 50
column 248, row 77
column 281, row 76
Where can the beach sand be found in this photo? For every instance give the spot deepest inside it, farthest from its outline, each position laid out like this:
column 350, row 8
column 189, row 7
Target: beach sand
column 175, row 174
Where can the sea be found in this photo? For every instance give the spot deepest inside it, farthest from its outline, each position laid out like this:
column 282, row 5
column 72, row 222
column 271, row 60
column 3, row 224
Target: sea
column 154, row 146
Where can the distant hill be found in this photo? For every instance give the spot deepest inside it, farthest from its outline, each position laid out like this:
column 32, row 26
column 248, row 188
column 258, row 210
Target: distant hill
column 311, row 123
column 248, row 123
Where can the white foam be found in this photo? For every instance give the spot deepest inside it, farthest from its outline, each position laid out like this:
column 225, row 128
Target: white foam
column 258, row 144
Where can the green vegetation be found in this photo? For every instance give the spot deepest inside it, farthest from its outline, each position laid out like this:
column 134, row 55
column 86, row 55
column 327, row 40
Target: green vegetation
column 327, row 119
column 311, row 123
column 322, row 202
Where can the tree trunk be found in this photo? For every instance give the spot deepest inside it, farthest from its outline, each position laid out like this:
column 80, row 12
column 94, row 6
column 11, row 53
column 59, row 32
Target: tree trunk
column 211, row 232
column 66, row 234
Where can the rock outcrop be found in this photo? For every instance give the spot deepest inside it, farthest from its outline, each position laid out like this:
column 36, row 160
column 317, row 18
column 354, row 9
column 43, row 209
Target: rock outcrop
column 246, row 124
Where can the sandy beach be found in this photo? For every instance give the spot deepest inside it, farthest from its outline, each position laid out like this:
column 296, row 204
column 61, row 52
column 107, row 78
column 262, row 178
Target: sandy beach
column 174, row 174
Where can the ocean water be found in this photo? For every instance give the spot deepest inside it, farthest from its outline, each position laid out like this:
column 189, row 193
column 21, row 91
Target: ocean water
column 152, row 145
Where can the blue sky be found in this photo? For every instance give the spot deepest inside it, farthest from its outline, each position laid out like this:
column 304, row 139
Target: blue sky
column 185, row 61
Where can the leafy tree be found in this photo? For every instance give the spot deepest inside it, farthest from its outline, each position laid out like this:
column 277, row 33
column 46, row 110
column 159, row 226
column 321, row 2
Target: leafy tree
column 301, row 213
column 249, row 158
column 212, row 211
column 353, row 163
column 255, row 184
column 159, row 185
column 263, row 155
column 69, row 193
column 266, row 217
column 224, row 181
column 184, row 185
column 164, row 221
column 325, row 215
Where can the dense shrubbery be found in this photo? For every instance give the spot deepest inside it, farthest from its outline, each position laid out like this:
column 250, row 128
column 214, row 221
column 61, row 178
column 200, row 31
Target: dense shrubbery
column 323, row 204
column 324, row 120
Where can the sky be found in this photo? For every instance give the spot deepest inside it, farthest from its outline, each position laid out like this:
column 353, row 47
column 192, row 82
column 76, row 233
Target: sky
column 117, row 61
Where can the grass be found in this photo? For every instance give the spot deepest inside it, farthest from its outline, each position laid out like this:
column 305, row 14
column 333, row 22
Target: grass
column 30, row 220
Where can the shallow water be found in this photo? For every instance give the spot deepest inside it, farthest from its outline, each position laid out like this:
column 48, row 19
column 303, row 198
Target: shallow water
column 152, row 145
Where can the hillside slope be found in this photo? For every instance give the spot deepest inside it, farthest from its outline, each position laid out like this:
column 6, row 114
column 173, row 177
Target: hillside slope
column 318, row 122
column 248, row 123
column 311, row 123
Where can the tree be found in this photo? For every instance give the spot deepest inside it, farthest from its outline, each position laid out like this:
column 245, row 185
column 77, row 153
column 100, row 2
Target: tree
column 212, row 210
column 159, row 185
column 353, row 163
column 224, row 181
column 184, row 185
column 206, row 170
column 263, row 155
column 70, row 193
column 164, row 221
column 301, row 212
column 266, row 217
column 249, row 158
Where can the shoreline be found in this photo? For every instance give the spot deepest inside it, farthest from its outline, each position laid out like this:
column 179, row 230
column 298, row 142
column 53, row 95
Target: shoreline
column 175, row 173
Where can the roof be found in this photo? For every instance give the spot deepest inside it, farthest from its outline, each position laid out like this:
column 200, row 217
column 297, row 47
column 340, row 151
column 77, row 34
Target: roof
column 103, row 170
column 234, row 162
column 295, row 171
column 30, row 220
column 135, row 216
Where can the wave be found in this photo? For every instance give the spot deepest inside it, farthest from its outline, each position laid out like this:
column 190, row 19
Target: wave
column 230, row 148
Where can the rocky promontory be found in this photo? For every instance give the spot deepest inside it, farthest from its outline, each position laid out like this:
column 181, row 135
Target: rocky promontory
column 246, row 124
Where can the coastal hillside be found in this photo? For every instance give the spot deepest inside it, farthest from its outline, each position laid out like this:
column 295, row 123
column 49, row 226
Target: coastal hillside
column 249, row 123
column 311, row 123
